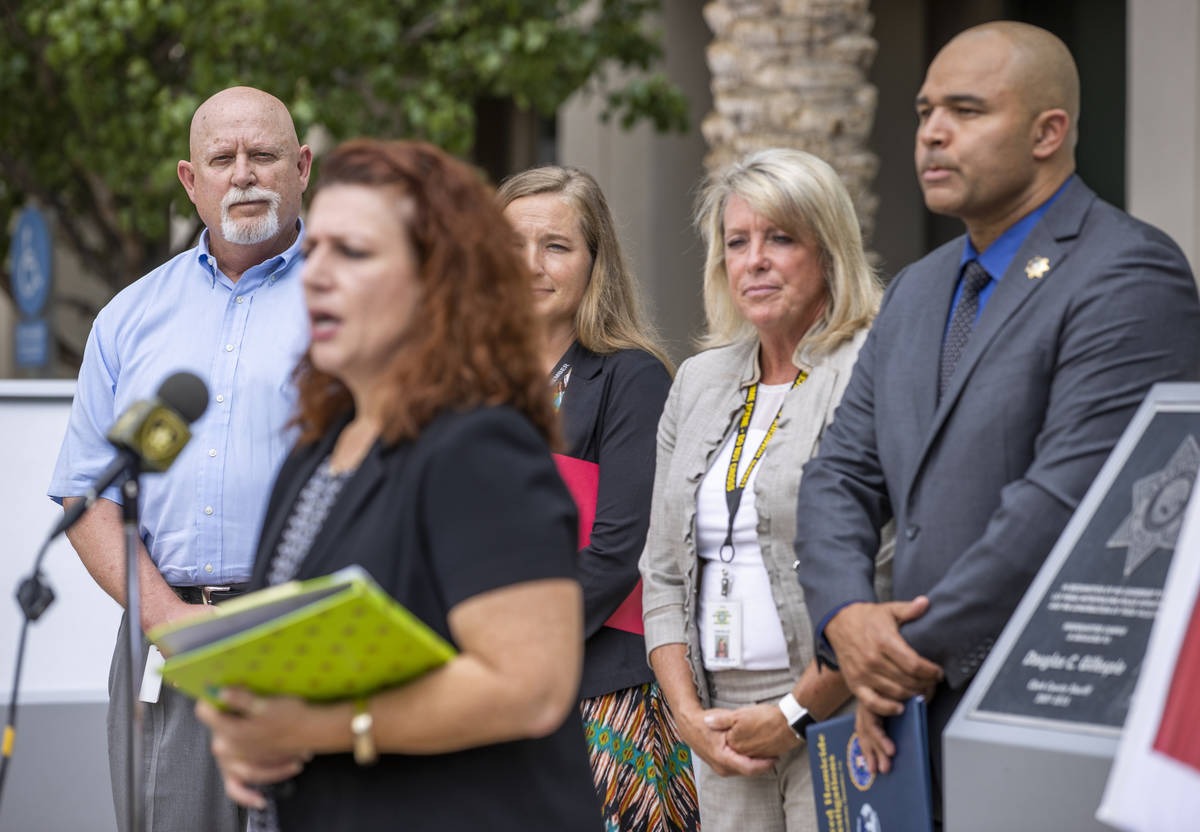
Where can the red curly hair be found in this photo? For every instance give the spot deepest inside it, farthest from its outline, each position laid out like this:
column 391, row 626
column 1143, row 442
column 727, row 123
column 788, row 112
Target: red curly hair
column 474, row 337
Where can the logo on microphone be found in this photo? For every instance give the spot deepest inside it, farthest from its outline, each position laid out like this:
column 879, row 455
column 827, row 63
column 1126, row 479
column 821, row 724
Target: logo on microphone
column 162, row 438
column 152, row 430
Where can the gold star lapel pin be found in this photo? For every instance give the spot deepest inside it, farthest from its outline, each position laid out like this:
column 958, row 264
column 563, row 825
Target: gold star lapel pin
column 1037, row 267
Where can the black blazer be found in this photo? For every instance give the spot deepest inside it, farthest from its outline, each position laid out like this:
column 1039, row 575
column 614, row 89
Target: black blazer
column 473, row 504
column 610, row 414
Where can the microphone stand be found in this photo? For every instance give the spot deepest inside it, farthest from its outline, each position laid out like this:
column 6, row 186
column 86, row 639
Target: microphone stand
column 34, row 595
column 130, row 492
column 166, row 433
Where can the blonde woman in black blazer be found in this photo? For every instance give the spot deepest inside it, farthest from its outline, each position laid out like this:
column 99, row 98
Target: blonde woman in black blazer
column 609, row 380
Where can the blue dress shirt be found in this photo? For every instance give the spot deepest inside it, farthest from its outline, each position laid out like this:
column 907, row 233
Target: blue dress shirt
column 199, row 520
column 999, row 255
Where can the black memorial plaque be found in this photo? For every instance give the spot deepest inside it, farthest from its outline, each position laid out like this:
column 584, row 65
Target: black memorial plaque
column 1078, row 656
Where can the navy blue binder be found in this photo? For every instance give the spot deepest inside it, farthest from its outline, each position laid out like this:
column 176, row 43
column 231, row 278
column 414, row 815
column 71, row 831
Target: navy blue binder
column 850, row 798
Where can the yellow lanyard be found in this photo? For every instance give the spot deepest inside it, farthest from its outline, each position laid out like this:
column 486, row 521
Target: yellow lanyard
column 733, row 488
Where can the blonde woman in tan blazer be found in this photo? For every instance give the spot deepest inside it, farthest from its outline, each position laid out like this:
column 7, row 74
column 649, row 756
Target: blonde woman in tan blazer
column 788, row 298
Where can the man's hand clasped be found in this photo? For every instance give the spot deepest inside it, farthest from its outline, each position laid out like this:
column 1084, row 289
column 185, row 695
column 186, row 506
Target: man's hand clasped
column 880, row 668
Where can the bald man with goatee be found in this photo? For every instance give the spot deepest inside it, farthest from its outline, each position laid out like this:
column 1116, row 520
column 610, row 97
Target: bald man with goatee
column 229, row 310
column 1000, row 372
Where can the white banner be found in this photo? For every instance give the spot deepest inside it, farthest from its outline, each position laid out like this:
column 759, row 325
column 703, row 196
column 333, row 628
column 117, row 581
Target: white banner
column 1155, row 782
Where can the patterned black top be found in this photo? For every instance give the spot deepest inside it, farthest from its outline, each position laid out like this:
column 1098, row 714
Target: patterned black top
column 308, row 515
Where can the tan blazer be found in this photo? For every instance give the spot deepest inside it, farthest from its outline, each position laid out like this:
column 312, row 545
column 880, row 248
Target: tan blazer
column 708, row 393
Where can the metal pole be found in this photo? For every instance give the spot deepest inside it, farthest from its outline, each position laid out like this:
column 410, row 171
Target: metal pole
column 133, row 607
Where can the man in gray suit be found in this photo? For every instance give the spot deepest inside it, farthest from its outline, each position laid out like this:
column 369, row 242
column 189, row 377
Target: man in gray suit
column 999, row 374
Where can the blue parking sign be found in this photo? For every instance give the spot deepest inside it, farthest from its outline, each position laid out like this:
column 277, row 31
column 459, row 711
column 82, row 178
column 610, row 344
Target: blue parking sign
column 31, row 263
column 32, row 343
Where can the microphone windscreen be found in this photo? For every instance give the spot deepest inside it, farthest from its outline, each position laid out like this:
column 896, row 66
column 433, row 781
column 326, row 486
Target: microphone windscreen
column 186, row 394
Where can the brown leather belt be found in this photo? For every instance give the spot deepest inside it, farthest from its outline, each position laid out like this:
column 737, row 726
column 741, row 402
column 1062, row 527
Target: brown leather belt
column 209, row 594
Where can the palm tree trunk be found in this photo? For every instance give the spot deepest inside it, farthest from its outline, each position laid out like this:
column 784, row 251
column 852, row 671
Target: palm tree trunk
column 793, row 73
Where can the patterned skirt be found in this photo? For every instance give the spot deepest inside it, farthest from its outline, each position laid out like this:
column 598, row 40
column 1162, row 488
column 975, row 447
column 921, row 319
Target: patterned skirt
column 642, row 771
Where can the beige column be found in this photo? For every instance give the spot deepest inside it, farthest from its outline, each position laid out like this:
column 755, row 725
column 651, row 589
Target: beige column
column 793, row 73
column 1162, row 165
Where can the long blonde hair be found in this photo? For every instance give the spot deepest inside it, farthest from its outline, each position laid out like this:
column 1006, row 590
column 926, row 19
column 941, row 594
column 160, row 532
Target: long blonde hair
column 610, row 315
column 805, row 197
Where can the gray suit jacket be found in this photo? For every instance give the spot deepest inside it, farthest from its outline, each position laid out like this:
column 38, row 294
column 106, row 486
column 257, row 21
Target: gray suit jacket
column 708, row 393
column 982, row 484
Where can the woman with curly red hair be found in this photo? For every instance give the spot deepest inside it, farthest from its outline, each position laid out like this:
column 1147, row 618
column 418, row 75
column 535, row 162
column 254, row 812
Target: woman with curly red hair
column 423, row 458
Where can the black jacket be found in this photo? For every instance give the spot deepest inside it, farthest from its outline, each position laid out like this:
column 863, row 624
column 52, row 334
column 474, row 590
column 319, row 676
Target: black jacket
column 474, row 503
column 610, row 413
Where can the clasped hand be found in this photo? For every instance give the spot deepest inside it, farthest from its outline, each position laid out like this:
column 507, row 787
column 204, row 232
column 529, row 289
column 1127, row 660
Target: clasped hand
column 249, row 741
column 754, row 730
column 744, row 741
column 880, row 668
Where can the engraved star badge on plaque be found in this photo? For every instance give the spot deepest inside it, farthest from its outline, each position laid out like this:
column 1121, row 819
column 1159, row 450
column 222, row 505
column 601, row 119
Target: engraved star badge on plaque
column 1159, row 500
column 1037, row 267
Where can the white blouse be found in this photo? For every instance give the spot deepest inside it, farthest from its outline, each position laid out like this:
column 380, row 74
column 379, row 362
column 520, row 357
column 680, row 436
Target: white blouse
column 763, row 644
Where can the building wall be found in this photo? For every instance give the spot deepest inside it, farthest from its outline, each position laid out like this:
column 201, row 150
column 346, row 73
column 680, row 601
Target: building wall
column 8, row 321
column 1162, row 165
column 900, row 222
column 650, row 180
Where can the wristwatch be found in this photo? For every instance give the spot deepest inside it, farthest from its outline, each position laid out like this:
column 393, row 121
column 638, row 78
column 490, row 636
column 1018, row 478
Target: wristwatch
column 364, row 744
column 797, row 716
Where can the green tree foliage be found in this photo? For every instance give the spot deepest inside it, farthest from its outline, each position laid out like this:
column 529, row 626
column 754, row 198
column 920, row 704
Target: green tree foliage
column 96, row 95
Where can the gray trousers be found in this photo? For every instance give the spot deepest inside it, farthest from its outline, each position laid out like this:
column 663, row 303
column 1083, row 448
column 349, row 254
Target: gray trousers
column 780, row 800
column 183, row 789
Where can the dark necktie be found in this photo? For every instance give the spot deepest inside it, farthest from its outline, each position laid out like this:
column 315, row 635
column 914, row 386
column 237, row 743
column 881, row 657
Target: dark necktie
column 975, row 277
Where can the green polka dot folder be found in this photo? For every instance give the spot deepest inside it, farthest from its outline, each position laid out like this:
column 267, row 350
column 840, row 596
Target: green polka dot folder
column 327, row 638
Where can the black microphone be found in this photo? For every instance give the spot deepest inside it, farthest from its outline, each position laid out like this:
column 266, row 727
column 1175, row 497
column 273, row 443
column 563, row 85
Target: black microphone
column 149, row 434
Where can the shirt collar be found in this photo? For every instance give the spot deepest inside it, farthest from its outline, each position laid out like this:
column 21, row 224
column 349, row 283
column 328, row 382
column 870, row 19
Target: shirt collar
column 280, row 264
column 997, row 257
column 752, row 372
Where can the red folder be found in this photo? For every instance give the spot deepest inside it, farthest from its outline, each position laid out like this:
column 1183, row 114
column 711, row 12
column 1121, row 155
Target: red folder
column 583, row 481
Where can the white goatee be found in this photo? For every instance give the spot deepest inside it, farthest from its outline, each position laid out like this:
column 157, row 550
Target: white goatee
column 250, row 231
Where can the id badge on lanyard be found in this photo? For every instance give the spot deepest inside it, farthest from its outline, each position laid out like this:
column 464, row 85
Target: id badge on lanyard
column 724, row 614
column 724, row 648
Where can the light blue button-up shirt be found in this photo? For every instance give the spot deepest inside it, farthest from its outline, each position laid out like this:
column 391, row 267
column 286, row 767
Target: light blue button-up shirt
column 200, row 520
